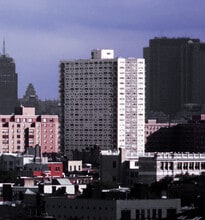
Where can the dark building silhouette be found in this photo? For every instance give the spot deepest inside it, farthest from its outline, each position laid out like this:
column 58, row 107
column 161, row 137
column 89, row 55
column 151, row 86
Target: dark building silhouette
column 175, row 76
column 30, row 99
column 8, row 84
column 189, row 137
column 193, row 74
column 42, row 107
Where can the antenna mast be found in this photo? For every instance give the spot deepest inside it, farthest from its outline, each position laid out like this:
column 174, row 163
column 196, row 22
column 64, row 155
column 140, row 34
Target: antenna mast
column 4, row 47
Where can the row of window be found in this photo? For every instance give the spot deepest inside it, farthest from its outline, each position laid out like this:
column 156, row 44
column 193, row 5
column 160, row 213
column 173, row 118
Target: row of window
column 84, row 63
column 183, row 165
column 125, row 214
column 27, row 120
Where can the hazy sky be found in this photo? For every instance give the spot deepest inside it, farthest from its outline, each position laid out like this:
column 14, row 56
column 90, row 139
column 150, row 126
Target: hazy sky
column 39, row 33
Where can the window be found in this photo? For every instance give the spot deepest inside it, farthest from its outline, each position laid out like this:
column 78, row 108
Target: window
column 197, row 165
column 171, row 165
column 179, row 166
column 137, row 214
column 148, row 213
column 203, row 165
column 125, row 214
column 154, row 214
column 185, row 166
column 142, row 214
column 159, row 213
column 171, row 213
column 57, row 169
column 191, row 165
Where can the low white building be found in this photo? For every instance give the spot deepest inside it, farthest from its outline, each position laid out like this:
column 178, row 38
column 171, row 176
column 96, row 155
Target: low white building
column 155, row 166
column 59, row 183
column 74, row 165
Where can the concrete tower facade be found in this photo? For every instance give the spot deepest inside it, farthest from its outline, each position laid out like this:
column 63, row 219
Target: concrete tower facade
column 102, row 103
column 131, row 106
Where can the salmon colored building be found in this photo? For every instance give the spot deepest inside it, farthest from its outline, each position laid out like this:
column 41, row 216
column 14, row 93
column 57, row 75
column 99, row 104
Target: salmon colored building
column 25, row 129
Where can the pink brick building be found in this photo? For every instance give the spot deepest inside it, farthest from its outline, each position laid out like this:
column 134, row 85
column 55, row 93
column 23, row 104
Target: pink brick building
column 26, row 129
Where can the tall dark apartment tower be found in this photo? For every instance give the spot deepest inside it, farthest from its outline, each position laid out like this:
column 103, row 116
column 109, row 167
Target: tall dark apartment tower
column 168, row 84
column 8, row 84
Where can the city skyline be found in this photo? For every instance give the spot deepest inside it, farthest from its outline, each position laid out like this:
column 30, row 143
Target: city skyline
column 39, row 34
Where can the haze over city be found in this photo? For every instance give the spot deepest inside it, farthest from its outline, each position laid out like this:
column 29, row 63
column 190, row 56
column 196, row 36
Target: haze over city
column 39, row 34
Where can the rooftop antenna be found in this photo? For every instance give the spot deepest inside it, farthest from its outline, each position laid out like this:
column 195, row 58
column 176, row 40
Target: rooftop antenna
column 4, row 47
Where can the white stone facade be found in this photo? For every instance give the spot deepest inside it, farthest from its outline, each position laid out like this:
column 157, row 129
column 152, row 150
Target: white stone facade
column 74, row 165
column 155, row 166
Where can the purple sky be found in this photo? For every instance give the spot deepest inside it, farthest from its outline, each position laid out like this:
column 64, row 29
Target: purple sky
column 39, row 33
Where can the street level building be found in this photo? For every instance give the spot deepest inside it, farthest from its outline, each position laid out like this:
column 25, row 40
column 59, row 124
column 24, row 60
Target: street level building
column 102, row 103
column 64, row 208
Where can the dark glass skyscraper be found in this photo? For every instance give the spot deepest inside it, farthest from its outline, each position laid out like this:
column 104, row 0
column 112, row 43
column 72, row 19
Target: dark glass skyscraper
column 175, row 70
column 193, row 74
column 8, row 84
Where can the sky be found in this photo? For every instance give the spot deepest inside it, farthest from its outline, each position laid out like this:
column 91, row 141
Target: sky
column 40, row 33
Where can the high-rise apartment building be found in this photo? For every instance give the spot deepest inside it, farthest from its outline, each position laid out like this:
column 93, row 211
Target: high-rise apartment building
column 174, row 74
column 8, row 84
column 102, row 103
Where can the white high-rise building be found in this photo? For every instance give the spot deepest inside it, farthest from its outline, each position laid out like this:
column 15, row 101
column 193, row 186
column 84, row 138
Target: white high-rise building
column 103, row 103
